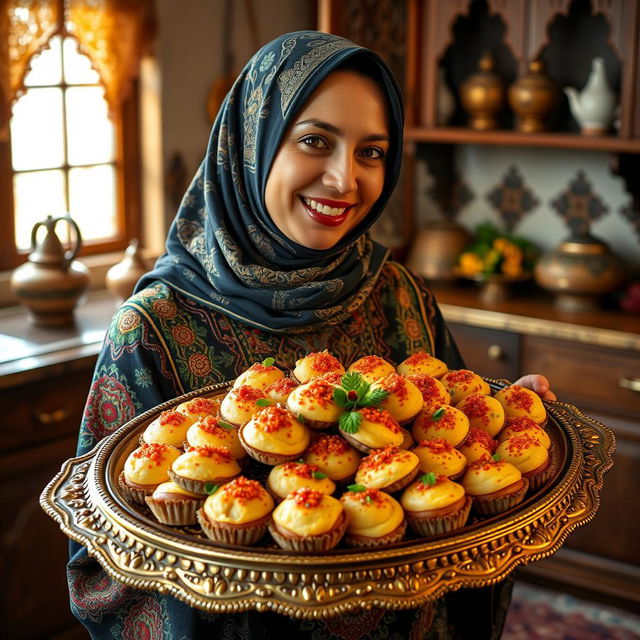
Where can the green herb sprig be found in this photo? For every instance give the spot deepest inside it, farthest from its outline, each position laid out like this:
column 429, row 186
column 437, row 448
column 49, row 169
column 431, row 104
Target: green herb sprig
column 355, row 392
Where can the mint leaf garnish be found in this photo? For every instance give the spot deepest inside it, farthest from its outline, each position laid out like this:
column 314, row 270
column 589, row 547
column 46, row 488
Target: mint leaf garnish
column 496, row 457
column 264, row 402
column 318, row 475
column 225, row 425
column 350, row 422
column 268, row 362
column 356, row 487
column 436, row 415
column 428, row 478
column 211, row 488
column 301, row 419
column 340, row 397
column 373, row 397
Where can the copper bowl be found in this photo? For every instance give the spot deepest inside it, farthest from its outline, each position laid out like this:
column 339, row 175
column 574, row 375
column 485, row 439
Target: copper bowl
column 137, row 550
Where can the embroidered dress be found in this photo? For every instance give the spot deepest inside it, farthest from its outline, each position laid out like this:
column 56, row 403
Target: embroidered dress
column 232, row 290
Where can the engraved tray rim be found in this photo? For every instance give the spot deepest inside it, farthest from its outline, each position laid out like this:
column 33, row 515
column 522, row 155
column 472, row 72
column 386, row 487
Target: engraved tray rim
column 84, row 500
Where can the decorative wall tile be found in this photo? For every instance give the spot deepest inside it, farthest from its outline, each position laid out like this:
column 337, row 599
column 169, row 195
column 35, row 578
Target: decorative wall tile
column 512, row 199
column 452, row 197
column 633, row 217
column 579, row 206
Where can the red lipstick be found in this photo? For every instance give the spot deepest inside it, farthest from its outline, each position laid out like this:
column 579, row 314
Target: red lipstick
column 328, row 221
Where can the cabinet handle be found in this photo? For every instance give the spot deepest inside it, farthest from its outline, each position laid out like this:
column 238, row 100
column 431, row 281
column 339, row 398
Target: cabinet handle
column 495, row 352
column 51, row 417
column 632, row 385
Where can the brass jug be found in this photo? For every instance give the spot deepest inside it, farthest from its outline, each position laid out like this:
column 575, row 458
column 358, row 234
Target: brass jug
column 51, row 282
column 122, row 277
column 533, row 98
column 482, row 95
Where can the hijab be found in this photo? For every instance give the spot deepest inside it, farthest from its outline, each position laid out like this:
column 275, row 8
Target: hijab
column 223, row 249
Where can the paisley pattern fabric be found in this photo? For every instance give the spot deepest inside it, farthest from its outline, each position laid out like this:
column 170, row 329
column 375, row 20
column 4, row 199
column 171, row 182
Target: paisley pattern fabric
column 223, row 250
column 162, row 344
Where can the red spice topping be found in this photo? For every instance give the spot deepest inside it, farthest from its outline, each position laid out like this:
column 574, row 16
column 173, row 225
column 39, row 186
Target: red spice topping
column 284, row 385
column 447, row 419
column 245, row 393
column 211, row 424
column 271, row 419
column 463, row 376
column 381, row 416
column 367, row 364
column 172, row 418
column 516, row 445
column 333, row 377
column 300, row 469
column 427, row 385
column 485, row 464
column 243, row 490
column 481, row 437
column 418, row 358
column 476, row 406
column 324, row 362
column 326, row 445
column 222, row 454
column 373, row 496
column 320, row 391
column 519, row 397
column 437, row 445
column 305, row 497
column 423, row 487
column 258, row 367
column 380, row 458
column 395, row 384
column 153, row 452
column 522, row 423
column 202, row 405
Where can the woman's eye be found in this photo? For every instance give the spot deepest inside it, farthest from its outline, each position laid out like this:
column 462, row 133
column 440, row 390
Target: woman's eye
column 372, row 153
column 317, row 142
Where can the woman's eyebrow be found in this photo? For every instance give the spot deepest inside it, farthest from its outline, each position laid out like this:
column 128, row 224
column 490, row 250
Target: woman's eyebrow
column 327, row 126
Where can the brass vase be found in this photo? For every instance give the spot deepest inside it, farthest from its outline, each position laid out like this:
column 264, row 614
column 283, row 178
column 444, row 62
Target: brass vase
column 122, row 277
column 482, row 95
column 533, row 98
column 579, row 272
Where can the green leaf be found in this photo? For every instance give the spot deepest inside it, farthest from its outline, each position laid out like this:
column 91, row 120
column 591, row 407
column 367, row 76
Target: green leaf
column 268, row 362
column 351, row 381
column 356, row 487
column 368, row 498
column 429, row 478
column 350, row 422
column 318, row 475
column 264, row 402
column 211, row 488
column 340, row 397
column 373, row 397
column 301, row 419
column 496, row 457
column 436, row 415
column 225, row 425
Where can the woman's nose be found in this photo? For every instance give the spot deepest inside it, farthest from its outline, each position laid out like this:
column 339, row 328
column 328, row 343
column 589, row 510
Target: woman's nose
column 340, row 173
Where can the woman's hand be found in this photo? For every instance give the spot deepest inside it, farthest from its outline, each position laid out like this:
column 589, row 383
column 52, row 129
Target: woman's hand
column 539, row 384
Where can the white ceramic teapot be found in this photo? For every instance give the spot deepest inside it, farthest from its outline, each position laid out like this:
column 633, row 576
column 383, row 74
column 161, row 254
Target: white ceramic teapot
column 594, row 107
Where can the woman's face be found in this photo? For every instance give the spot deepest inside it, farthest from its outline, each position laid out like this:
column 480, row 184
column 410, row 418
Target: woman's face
column 330, row 167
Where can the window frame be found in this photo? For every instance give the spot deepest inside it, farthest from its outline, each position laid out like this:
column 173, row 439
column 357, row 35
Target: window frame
column 127, row 166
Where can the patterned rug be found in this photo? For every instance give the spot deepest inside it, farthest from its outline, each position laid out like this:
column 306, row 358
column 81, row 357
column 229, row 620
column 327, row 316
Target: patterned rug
column 538, row 614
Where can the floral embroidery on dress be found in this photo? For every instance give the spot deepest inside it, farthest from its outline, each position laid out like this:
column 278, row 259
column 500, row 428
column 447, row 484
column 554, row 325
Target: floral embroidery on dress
column 267, row 61
column 145, row 620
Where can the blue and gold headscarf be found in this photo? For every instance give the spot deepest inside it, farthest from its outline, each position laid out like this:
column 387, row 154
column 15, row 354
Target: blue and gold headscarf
column 223, row 249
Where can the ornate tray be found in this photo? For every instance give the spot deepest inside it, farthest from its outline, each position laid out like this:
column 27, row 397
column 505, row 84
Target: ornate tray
column 135, row 549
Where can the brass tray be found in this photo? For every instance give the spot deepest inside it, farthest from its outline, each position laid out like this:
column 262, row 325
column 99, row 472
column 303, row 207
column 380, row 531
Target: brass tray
column 135, row 549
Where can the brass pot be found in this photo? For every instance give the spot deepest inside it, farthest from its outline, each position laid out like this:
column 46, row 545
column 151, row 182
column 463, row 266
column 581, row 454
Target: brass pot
column 579, row 272
column 482, row 95
column 533, row 98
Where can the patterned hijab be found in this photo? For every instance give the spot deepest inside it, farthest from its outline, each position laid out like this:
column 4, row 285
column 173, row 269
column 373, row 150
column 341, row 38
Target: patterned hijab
column 223, row 249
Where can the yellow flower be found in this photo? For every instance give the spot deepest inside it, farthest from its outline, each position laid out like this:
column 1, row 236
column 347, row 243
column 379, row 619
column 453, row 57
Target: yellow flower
column 470, row 263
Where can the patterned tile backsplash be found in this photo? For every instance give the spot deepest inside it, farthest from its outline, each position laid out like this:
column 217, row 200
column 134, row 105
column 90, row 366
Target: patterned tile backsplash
column 540, row 194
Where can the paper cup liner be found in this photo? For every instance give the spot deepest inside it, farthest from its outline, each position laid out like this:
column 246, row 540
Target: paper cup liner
column 133, row 494
column 243, row 535
column 311, row 544
column 196, row 486
column 319, row 425
column 266, row 457
column 362, row 542
column 401, row 483
column 429, row 527
column 537, row 480
column 174, row 512
column 493, row 505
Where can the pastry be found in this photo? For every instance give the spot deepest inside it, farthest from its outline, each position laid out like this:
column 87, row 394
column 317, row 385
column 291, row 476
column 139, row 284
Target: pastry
column 371, row 368
column 201, row 467
column 279, row 391
column 241, row 403
column 440, row 457
column 213, row 431
column 199, row 407
column 422, row 363
column 237, row 513
column 444, row 422
column 289, row 476
column 173, row 505
column 494, row 485
column 170, row 427
column 389, row 469
column 519, row 401
column 315, row 365
column 517, row 426
column 374, row 518
column 434, row 505
column 529, row 456
column 433, row 392
column 273, row 436
column 334, row 456
column 462, row 383
column 314, row 404
column 483, row 411
column 403, row 400
column 260, row 375
column 478, row 445
column 376, row 430
column 144, row 469
column 308, row 520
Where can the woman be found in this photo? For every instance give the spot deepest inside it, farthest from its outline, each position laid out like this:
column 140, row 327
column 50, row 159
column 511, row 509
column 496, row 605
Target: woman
column 268, row 257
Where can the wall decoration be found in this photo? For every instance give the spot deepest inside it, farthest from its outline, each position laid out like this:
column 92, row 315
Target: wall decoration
column 512, row 199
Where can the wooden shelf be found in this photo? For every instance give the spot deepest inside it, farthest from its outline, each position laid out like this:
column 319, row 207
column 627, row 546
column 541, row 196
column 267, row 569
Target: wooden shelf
column 463, row 135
